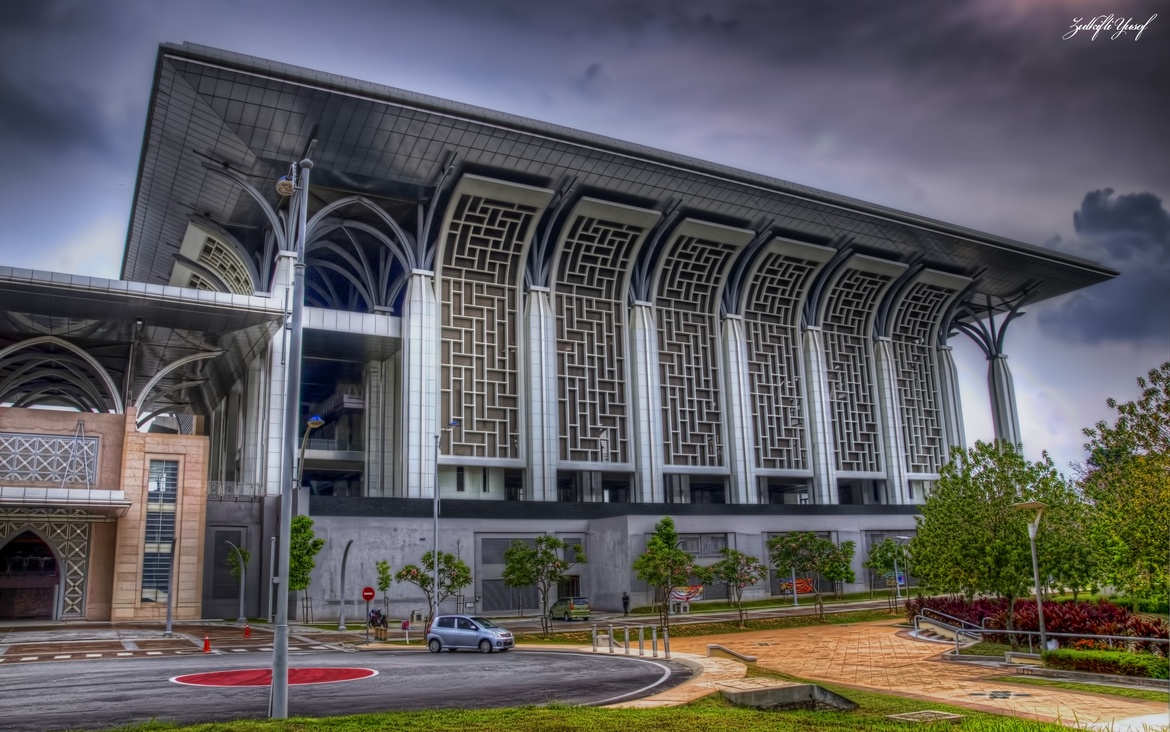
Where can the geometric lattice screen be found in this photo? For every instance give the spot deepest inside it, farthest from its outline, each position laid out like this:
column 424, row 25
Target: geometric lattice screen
column 483, row 251
column 849, row 362
column 71, row 540
column 590, row 293
column 772, row 324
column 686, row 306
column 913, row 327
column 48, row 459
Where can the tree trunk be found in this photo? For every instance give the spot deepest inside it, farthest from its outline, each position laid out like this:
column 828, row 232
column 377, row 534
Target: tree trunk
column 1075, row 591
column 1010, row 623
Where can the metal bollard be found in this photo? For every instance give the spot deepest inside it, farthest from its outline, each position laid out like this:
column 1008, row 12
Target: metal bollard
column 666, row 641
column 627, row 640
column 641, row 640
column 595, row 638
column 611, row 639
column 654, row 640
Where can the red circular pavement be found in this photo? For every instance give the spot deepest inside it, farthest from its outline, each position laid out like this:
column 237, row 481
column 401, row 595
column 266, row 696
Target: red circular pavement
column 263, row 676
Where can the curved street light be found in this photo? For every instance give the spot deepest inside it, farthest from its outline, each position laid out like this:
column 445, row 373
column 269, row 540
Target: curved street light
column 435, row 547
column 243, row 618
column 1033, row 529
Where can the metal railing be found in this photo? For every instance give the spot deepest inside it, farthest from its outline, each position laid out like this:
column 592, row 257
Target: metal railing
column 625, row 645
column 335, row 445
column 945, row 617
column 979, row 633
column 230, row 490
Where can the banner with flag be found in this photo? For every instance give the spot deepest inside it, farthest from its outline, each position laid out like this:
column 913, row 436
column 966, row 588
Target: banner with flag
column 687, row 594
column 803, row 586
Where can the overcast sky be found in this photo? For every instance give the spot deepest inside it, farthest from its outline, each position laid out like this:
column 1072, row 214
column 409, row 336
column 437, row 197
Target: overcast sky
column 976, row 112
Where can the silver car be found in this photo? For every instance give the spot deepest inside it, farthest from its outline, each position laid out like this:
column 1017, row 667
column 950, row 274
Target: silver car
column 461, row 631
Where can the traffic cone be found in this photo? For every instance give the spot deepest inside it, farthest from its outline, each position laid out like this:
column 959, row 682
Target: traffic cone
column 206, row 644
column 247, row 630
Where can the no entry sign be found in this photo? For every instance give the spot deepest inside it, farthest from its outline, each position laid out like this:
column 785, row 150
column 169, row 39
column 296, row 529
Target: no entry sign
column 368, row 594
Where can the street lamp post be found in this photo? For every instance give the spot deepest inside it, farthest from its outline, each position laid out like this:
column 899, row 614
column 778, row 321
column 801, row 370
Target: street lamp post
column 897, row 580
column 278, row 705
column 243, row 618
column 1033, row 529
column 435, row 546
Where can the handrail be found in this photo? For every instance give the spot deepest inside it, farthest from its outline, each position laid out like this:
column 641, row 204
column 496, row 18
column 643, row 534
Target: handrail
column 950, row 617
column 1005, row 631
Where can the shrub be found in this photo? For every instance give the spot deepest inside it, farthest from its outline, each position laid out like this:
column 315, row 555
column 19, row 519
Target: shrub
column 1154, row 607
column 1108, row 662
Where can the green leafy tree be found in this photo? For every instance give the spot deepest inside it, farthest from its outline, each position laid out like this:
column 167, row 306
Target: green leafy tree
column 887, row 558
column 664, row 566
column 233, row 561
column 385, row 578
column 1127, row 481
column 1067, row 554
column 738, row 570
column 971, row 539
column 302, row 547
column 808, row 555
column 454, row 575
column 542, row 565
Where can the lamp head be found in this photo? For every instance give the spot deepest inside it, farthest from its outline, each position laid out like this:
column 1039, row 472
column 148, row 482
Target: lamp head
column 1037, row 505
column 453, row 424
column 315, row 421
column 285, row 186
column 903, row 538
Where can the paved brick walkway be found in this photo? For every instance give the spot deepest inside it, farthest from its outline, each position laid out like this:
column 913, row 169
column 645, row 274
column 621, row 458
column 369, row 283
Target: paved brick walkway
column 878, row 656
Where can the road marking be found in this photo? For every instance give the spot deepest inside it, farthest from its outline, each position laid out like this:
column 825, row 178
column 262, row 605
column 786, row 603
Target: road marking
column 58, row 658
column 154, row 653
column 30, row 658
column 93, row 655
column 125, row 654
column 239, row 650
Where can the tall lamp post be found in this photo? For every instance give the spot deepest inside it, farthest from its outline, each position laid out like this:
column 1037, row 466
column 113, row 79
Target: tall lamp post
column 435, row 547
column 897, row 581
column 243, row 579
column 297, row 182
column 1033, row 528
column 313, row 423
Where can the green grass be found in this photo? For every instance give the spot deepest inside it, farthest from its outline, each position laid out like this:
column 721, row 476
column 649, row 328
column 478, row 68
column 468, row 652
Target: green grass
column 583, row 637
column 1145, row 694
column 985, row 648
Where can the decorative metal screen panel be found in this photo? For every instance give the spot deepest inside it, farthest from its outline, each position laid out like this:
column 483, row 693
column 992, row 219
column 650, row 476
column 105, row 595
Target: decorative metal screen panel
column 922, row 424
column 71, row 540
column 771, row 318
column 48, row 458
column 479, row 381
column 850, row 363
column 591, row 340
column 226, row 262
column 688, row 351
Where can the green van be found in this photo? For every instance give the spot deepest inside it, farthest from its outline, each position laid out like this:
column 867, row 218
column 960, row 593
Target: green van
column 568, row 608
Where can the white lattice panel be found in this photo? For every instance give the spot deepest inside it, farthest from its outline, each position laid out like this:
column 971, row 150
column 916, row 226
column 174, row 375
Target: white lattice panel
column 591, row 340
column 771, row 319
column 913, row 327
column 849, row 359
column 686, row 302
column 479, row 374
column 228, row 264
column 71, row 540
column 47, row 458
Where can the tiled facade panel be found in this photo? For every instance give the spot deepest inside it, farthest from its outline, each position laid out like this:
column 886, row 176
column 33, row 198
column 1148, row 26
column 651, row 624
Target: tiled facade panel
column 771, row 319
column 918, row 387
column 688, row 351
column 591, row 341
column 479, row 365
column 852, row 400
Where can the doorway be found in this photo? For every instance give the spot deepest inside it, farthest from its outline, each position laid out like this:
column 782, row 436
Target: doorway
column 30, row 579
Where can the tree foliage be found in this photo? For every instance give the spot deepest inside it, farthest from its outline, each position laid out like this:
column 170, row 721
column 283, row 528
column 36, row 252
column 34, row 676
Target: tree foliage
column 303, row 546
column 888, row 557
column 385, row 577
column 664, row 566
column 454, row 575
column 541, row 565
column 738, row 570
column 1127, row 479
column 808, row 555
column 233, row 560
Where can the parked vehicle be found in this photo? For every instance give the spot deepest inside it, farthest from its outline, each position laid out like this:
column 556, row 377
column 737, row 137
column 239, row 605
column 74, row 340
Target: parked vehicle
column 568, row 608
column 453, row 632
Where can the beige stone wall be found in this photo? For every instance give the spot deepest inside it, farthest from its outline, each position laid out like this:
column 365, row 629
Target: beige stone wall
column 108, row 428
column 191, row 452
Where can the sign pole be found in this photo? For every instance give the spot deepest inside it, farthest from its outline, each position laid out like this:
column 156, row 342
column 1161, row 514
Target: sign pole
column 367, row 595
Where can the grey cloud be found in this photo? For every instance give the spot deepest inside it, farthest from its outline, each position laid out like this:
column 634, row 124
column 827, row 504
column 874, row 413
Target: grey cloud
column 1131, row 233
column 51, row 118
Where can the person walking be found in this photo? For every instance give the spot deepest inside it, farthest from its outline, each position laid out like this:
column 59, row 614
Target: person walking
column 625, row 603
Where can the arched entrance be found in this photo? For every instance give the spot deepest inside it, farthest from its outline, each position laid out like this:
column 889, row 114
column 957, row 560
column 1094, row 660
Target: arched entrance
column 30, row 579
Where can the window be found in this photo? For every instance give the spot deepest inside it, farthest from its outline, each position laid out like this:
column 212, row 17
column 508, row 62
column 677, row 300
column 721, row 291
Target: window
column 459, row 485
column 485, row 480
column 162, row 489
column 703, row 545
column 465, row 624
column 446, row 622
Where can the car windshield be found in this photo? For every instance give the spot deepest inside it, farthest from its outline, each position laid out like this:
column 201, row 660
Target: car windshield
column 485, row 622
column 580, row 601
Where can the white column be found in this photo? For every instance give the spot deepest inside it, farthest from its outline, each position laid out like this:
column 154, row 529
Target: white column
column 1003, row 400
column 820, row 418
column 646, row 395
column 893, row 438
column 543, row 424
column 952, row 407
column 420, row 385
column 277, row 378
column 256, row 401
column 741, row 447
column 378, row 396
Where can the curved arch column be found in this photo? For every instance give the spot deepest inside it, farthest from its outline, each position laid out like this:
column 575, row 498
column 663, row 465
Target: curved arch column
column 420, row 385
column 820, row 417
column 543, row 426
column 893, row 436
column 647, row 403
column 1002, row 389
column 952, row 407
column 740, row 432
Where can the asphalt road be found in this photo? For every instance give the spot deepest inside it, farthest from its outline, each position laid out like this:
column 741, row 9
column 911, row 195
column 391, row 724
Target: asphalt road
column 99, row 694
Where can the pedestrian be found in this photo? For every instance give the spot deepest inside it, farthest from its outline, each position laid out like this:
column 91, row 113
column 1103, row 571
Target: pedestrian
column 625, row 603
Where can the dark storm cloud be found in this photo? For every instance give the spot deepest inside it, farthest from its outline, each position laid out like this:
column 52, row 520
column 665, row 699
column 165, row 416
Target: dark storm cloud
column 1131, row 233
column 51, row 119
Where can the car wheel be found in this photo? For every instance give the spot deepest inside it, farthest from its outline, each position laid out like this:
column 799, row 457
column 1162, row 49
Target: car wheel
column 566, row 618
column 434, row 645
column 485, row 646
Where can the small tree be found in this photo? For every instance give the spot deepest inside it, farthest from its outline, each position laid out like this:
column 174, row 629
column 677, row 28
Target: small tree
column 453, row 577
column 837, row 566
column 303, row 545
column 384, row 580
column 664, row 566
column 887, row 559
column 807, row 555
column 542, row 565
column 233, row 561
column 738, row 570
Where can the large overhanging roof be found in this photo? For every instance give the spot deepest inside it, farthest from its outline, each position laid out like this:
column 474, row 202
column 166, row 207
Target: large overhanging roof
column 211, row 107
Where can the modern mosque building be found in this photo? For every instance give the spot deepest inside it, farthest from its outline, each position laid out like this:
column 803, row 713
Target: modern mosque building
column 620, row 334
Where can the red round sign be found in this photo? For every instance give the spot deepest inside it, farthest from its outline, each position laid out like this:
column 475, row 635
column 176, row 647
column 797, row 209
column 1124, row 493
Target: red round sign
column 368, row 594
